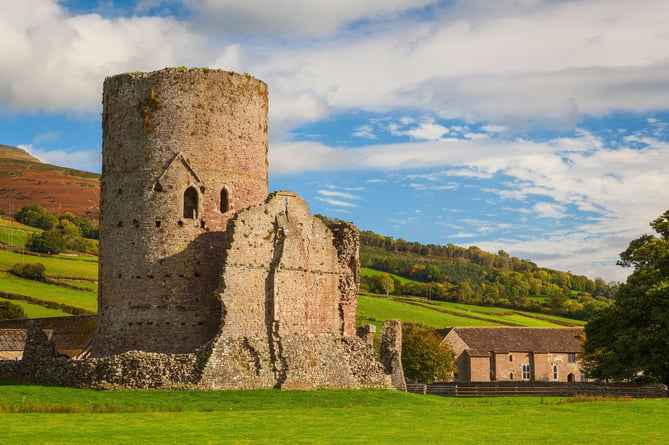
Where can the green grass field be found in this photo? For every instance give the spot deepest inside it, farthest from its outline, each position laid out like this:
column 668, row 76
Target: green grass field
column 36, row 310
column 60, row 268
column 55, row 266
column 66, row 415
column 441, row 314
column 376, row 310
column 365, row 272
column 48, row 292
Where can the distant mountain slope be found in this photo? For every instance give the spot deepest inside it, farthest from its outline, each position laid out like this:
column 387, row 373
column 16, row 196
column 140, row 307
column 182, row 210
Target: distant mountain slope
column 25, row 180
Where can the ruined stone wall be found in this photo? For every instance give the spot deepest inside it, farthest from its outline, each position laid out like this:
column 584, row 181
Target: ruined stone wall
column 183, row 150
column 390, row 352
column 324, row 361
column 285, row 280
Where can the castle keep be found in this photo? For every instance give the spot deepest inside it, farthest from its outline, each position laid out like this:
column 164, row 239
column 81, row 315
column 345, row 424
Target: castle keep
column 205, row 279
column 181, row 152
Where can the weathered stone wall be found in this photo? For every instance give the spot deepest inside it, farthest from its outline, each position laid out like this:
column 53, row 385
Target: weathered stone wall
column 183, row 150
column 285, row 280
column 390, row 352
column 324, row 362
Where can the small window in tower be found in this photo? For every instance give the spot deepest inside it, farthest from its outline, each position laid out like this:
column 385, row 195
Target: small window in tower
column 157, row 223
column 190, row 203
column 225, row 200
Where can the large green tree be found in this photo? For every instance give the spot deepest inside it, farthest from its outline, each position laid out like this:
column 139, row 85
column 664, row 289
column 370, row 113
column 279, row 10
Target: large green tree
column 424, row 357
column 630, row 340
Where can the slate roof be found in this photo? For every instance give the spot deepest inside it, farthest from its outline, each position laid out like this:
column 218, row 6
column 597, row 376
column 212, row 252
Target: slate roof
column 12, row 340
column 484, row 340
column 72, row 335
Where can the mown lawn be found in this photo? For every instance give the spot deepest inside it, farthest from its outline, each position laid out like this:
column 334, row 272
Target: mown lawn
column 327, row 416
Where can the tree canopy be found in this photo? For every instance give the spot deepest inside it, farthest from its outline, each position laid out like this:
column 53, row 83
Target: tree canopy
column 424, row 357
column 630, row 340
column 9, row 310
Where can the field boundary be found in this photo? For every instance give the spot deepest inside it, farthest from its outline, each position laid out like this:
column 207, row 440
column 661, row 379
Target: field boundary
column 69, row 309
column 549, row 389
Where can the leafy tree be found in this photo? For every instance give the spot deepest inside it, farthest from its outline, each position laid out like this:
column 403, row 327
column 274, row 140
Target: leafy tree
column 380, row 284
column 424, row 357
column 36, row 216
column 630, row 339
column 31, row 271
column 9, row 310
column 51, row 242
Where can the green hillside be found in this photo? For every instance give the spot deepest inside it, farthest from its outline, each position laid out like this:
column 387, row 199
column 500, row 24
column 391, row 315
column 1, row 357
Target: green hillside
column 376, row 309
column 471, row 276
column 72, row 286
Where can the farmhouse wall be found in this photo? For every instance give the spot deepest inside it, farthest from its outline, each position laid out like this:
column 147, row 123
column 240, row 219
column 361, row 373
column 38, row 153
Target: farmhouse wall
column 479, row 368
column 183, row 150
column 459, row 347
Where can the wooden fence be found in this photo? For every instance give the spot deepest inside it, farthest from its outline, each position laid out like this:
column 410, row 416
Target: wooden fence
column 487, row 389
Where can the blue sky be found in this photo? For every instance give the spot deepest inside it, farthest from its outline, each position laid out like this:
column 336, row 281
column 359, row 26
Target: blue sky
column 540, row 127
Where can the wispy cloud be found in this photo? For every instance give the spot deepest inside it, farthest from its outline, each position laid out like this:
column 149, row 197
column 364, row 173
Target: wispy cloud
column 549, row 210
column 337, row 194
column 365, row 131
column 336, row 202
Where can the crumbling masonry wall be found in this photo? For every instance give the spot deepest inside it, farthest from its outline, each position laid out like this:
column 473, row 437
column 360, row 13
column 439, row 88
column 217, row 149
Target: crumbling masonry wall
column 288, row 295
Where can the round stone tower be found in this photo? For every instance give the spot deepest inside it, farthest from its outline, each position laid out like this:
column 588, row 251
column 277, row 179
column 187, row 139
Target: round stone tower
column 182, row 151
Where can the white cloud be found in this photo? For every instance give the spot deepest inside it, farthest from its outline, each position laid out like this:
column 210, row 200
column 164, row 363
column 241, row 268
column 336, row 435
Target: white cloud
column 493, row 128
column 519, row 69
column 337, row 194
column 293, row 17
column 549, row 210
column 55, row 61
column 427, row 131
column 336, row 202
column 460, row 235
column 364, row 131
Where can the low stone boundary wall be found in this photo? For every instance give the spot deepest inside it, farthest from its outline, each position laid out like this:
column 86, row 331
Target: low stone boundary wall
column 488, row 389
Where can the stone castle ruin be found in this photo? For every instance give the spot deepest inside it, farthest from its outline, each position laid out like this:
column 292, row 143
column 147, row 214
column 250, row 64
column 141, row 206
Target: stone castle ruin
column 205, row 278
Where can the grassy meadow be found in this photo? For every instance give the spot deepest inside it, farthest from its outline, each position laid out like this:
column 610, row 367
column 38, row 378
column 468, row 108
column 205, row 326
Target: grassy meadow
column 64, row 271
column 35, row 414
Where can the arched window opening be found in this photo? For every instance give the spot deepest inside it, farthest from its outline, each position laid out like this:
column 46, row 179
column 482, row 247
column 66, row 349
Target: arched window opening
column 225, row 200
column 526, row 371
column 190, row 203
column 510, row 375
column 555, row 372
column 571, row 378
